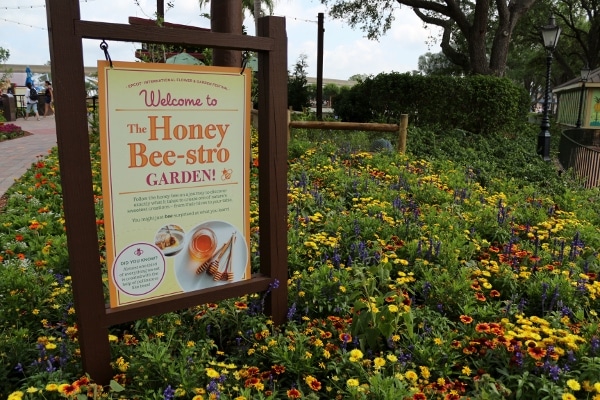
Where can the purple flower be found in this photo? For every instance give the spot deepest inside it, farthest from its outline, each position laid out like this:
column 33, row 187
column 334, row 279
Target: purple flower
column 169, row 393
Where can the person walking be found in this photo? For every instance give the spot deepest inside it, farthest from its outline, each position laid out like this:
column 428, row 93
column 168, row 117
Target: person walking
column 49, row 99
column 31, row 99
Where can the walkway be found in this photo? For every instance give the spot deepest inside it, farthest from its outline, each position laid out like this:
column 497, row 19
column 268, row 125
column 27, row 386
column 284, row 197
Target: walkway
column 17, row 155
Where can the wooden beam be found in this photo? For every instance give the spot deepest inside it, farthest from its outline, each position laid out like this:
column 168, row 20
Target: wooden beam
column 157, row 34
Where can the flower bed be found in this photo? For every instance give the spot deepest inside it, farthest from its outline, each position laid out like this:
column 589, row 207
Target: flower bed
column 408, row 279
column 10, row 131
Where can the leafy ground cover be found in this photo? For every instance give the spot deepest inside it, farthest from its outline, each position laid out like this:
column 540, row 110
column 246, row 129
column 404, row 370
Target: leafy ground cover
column 447, row 273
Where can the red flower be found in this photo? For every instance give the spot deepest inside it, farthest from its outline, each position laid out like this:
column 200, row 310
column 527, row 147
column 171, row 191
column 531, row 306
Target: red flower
column 419, row 396
column 483, row 327
column 465, row 319
column 480, row 296
column 241, row 305
column 494, row 293
column 294, row 394
column 19, row 238
column 70, row 390
column 315, row 385
column 278, row 369
column 251, row 382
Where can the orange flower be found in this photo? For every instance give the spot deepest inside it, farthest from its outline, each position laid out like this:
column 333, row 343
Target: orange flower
column 419, row 396
column 345, row 337
column 480, row 296
column 294, row 394
column 465, row 319
column 494, row 293
column 35, row 225
column 69, row 390
column 240, row 305
column 536, row 352
column 483, row 327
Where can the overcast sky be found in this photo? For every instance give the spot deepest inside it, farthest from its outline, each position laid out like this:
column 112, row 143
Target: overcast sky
column 347, row 52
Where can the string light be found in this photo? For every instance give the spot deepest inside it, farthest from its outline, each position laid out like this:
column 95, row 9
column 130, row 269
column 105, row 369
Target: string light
column 21, row 7
column 19, row 23
column 297, row 19
column 30, row 7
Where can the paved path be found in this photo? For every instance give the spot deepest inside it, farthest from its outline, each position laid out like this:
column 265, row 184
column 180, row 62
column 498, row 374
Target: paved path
column 17, row 155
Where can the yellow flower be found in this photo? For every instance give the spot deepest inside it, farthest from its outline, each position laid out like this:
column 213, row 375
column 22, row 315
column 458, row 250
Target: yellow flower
column 411, row 375
column 112, row 338
column 597, row 387
column 18, row 395
column 573, row 385
column 32, row 389
column 211, row 373
column 393, row 308
column 352, row 382
column 392, row 358
column 425, row 372
column 50, row 346
column 379, row 362
column 466, row 371
column 568, row 396
column 51, row 387
column 355, row 355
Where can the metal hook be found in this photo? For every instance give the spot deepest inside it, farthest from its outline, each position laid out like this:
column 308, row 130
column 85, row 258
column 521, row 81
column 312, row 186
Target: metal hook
column 245, row 57
column 104, row 47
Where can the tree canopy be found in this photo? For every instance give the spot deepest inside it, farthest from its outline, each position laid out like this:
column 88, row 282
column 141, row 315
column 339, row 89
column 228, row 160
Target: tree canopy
column 486, row 26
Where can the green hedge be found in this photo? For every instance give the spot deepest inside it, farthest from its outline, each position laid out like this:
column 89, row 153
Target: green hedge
column 478, row 104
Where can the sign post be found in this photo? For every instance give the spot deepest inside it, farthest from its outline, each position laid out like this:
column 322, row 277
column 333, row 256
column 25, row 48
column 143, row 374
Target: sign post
column 66, row 32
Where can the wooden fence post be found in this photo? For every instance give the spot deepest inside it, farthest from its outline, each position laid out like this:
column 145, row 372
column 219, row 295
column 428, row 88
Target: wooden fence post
column 402, row 132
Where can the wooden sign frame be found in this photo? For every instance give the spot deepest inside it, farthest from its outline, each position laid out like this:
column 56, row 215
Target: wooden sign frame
column 66, row 32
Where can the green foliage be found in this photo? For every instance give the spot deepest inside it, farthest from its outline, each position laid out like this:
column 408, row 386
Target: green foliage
column 298, row 92
column 442, row 101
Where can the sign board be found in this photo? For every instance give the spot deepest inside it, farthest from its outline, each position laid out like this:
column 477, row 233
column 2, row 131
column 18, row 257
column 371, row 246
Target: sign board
column 175, row 147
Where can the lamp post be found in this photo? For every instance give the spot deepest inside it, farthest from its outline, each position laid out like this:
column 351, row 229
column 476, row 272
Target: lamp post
column 585, row 72
column 550, row 34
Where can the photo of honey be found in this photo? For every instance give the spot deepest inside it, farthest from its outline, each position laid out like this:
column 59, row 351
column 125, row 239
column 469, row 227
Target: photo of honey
column 202, row 244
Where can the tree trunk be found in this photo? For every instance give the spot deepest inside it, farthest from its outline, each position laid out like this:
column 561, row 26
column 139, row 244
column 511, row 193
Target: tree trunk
column 226, row 17
column 257, row 13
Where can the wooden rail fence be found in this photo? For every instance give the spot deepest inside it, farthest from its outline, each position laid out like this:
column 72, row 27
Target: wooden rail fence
column 401, row 128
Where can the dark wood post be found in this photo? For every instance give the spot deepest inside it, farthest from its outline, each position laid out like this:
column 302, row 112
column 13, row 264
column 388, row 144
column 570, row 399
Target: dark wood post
column 272, row 157
column 320, row 35
column 226, row 17
column 66, row 51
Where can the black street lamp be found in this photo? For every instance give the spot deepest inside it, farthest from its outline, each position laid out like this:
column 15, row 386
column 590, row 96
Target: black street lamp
column 585, row 72
column 550, row 34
